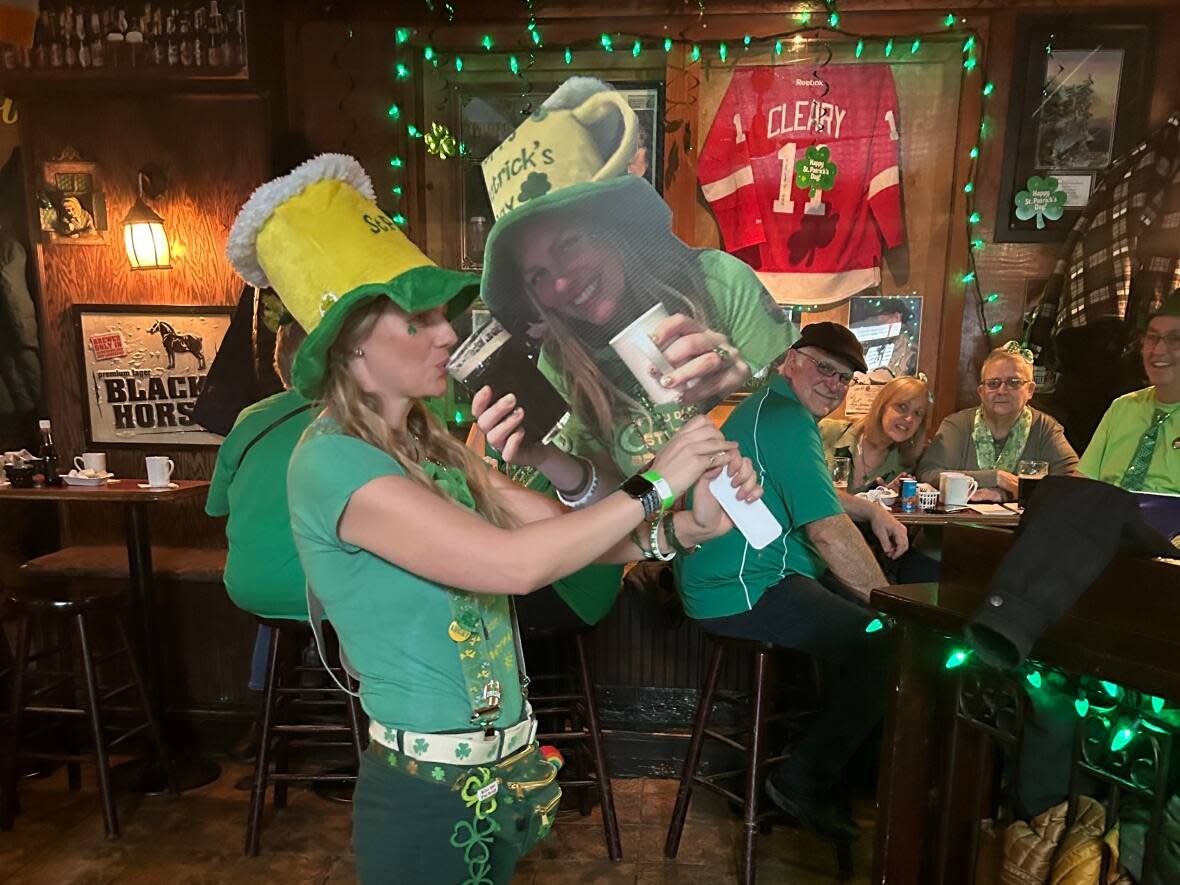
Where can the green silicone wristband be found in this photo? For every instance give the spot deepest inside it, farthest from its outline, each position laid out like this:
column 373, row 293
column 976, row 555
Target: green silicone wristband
column 667, row 499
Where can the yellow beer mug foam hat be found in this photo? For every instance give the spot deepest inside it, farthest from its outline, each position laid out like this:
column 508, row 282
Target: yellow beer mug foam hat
column 572, row 154
column 317, row 237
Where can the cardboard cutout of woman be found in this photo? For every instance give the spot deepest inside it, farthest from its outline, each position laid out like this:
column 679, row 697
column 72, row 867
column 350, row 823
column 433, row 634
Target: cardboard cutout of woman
column 637, row 330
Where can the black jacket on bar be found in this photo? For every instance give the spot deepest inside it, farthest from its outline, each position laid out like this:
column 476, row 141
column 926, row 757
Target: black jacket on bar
column 1072, row 528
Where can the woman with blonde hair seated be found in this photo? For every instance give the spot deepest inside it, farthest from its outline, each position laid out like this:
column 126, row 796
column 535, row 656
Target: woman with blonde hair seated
column 989, row 441
column 886, row 442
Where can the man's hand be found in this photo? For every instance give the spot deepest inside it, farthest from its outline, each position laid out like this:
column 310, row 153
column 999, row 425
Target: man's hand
column 891, row 534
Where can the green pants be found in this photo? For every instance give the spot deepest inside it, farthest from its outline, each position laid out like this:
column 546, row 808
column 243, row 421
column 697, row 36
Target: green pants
column 410, row 831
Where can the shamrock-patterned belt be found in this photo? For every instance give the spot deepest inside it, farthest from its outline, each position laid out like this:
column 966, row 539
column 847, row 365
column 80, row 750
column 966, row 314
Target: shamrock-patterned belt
column 462, row 748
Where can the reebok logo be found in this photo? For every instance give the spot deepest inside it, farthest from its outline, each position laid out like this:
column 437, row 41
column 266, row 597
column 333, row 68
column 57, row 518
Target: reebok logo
column 809, row 82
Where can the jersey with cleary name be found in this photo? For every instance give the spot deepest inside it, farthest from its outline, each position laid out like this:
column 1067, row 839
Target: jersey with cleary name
column 814, row 237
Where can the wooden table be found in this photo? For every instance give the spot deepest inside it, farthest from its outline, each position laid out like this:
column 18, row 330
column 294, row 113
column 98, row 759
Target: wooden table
column 967, row 516
column 135, row 499
column 1125, row 628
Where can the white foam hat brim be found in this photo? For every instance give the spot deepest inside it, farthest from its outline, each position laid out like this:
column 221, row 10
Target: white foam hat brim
column 242, row 248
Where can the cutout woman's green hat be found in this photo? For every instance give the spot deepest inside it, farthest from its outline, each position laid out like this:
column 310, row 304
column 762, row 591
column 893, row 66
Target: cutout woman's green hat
column 317, row 237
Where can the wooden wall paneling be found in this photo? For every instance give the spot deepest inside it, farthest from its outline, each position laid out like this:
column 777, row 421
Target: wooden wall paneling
column 214, row 152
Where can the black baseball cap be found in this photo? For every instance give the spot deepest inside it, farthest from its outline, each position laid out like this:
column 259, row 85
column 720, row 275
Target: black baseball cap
column 835, row 339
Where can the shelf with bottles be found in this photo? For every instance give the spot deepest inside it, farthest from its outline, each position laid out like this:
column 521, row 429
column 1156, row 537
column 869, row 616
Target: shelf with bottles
column 202, row 39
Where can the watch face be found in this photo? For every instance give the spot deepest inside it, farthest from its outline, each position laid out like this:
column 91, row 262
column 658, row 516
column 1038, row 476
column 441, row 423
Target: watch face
column 637, row 486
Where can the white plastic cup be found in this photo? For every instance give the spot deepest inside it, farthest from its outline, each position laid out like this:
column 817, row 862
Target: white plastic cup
column 96, row 461
column 159, row 471
column 640, row 354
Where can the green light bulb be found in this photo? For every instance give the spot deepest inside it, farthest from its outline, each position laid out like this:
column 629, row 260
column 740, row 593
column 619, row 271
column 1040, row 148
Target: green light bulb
column 778, row 47
column 957, row 658
column 1123, row 736
column 394, row 112
column 974, row 218
column 973, row 153
column 487, row 42
column 968, row 277
column 875, row 625
column 513, row 64
column 401, row 35
column 746, row 40
column 989, row 88
column 803, row 17
column 636, row 49
column 970, row 63
column 458, row 417
column 458, row 64
column 569, row 56
column 834, row 19
column 1111, row 689
column 722, row 51
column 993, row 296
column 860, row 48
column 1082, row 706
column 889, row 47
column 396, row 162
column 977, row 244
column 696, row 52
column 607, row 43
column 1157, row 705
column 949, row 21
column 401, row 71
column 968, row 187
column 915, row 46
column 537, row 37
column 969, row 44
column 996, row 329
column 667, row 44
column 399, row 219
column 396, row 190
column 412, row 131
column 428, row 53
column 1034, row 679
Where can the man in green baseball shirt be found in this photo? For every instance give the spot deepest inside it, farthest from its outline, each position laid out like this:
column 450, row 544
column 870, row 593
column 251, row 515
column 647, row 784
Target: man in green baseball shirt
column 809, row 588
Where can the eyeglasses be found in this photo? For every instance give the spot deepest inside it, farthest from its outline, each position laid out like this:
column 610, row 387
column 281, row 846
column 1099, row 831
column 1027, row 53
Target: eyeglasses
column 1010, row 383
column 1171, row 341
column 827, row 370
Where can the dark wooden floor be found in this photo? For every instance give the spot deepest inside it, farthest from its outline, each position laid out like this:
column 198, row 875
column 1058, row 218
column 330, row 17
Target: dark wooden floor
column 197, row 838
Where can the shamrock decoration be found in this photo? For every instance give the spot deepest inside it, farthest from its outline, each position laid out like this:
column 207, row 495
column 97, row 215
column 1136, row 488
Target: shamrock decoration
column 439, row 141
column 421, row 745
column 1042, row 200
column 536, row 185
column 273, row 312
column 438, row 773
column 816, row 171
column 326, row 301
column 463, row 750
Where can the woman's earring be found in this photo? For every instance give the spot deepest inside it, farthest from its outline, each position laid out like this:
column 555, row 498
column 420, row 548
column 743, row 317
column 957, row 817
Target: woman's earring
column 358, row 352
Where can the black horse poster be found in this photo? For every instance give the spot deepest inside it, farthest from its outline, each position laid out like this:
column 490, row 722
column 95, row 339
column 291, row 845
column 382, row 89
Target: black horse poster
column 143, row 367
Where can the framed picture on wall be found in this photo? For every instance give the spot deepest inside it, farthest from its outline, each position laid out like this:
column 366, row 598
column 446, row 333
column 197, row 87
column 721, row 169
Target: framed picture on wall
column 1080, row 96
column 71, row 205
column 143, row 367
column 490, row 114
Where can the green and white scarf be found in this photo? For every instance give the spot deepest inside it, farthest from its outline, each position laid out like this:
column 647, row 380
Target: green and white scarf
column 985, row 445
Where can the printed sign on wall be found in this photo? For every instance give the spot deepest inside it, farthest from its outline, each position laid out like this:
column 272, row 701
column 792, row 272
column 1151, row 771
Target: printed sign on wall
column 143, row 367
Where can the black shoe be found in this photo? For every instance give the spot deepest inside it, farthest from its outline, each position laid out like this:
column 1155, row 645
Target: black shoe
column 824, row 815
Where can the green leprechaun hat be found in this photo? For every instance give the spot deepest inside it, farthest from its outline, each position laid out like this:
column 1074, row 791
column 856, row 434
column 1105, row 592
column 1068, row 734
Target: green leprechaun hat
column 317, row 237
column 572, row 155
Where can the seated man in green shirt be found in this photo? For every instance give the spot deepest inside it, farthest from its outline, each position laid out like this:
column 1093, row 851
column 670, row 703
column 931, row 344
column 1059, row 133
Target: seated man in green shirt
column 1137, row 443
column 808, row 589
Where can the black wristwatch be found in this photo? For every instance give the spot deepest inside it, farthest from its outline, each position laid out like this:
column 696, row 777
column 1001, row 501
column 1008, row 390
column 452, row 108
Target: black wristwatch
column 651, row 490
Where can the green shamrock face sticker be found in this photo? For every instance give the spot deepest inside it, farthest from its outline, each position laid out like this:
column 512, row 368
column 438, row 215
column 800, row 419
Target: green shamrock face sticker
column 816, row 171
column 536, row 185
column 1042, row 200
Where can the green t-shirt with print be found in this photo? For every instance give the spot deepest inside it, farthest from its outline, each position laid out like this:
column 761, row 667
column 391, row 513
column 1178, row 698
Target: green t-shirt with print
column 746, row 315
column 392, row 623
column 727, row 576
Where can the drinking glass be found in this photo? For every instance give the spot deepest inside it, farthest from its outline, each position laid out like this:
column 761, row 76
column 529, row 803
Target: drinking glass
column 841, row 471
column 1029, row 474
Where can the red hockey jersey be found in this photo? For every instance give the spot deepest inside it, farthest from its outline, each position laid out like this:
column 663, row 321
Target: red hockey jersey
column 809, row 247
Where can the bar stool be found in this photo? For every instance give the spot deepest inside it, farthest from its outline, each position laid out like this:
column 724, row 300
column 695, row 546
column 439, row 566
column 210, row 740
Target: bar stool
column 80, row 607
column 758, row 761
column 283, row 696
column 577, row 706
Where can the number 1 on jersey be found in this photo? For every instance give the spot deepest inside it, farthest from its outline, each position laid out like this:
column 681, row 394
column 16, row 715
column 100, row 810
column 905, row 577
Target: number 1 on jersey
column 784, row 204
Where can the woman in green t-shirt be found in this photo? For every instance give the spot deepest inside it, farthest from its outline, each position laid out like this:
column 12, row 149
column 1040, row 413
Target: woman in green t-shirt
column 414, row 546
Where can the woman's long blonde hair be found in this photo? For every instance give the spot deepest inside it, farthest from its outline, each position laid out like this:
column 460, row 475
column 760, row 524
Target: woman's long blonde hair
column 900, row 389
column 425, row 438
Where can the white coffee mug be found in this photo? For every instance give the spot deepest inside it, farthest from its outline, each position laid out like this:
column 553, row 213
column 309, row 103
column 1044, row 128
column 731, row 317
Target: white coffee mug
column 159, row 471
column 956, row 489
column 96, row 461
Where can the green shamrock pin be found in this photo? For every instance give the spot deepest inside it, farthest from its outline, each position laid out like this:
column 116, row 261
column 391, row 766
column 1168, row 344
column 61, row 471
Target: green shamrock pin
column 536, row 185
column 816, row 171
column 439, row 141
column 1041, row 200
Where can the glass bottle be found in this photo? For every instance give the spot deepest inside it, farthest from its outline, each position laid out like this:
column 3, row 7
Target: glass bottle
column 48, row 454
column 186, row 41
column 83, row 50
column 97, row 43
column 57, row 49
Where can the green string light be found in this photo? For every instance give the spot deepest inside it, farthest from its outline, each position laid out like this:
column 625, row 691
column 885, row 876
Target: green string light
column 968, row 277
column 996, row 329
column 957, row 658
column 636, row 48
column 974, row 152
column 746, row 40
column 413, row 131
column 532, row 26
column 969, row 187
column 860, row 48
column 514, row 65
column 569, row 56
column 401, row 35
column 487, row 42
column 1123, row 736
column 458, row 64
column 834, row 19
column 1081, row 706
column 875, row 625
column 394, row 112
column 803, row 17
column 1034, row 679
column 396, row 190
column 889, row 47
column 1157, row 704
column 969, row 43
column 949, row 21
column 977, row 245
column 974, row 218
column 667, row 44
column 722, row 51
column 989, row 88
column 396, row 162
column 915, row 46
column 778, row 47
column 428, row 53
column 696, row 52
column 607, row 43
column 401, row 71
column 970, row 63
column 992, row 297
column 537, row 37
column 399, row 219
column 1110, row 688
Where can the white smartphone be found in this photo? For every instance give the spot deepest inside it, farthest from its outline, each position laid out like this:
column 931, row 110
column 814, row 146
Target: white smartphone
column 752, row 518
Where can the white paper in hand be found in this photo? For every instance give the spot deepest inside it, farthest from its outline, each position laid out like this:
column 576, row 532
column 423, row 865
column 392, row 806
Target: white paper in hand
column 752, row 518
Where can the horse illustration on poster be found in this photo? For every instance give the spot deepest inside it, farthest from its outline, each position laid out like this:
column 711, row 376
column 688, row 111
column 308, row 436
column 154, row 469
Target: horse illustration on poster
column 177, row 342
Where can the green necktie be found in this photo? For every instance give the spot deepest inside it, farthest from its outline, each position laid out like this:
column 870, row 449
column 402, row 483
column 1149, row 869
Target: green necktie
column 1137, row 469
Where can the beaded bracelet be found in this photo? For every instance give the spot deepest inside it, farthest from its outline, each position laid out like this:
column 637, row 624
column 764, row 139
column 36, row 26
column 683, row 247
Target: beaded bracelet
column 670, row 533
column 656, row 552
column 590, row 484
column 634, row 536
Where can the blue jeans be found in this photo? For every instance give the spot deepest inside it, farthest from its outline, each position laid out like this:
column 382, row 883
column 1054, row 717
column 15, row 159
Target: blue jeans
column 258, row 659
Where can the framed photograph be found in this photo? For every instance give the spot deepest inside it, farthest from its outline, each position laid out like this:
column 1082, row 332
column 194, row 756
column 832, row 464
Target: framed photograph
column 143, row 367
column 890, row 331
column 70, row 203
column 1080, row 100
column 490, row 114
